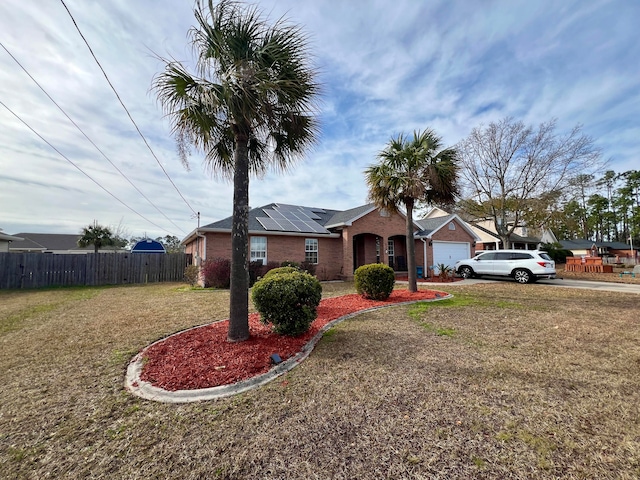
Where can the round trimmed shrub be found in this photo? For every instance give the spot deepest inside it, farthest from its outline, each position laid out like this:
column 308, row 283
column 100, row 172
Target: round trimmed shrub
column 375, row 281
column 279, row 270
column 288, row 300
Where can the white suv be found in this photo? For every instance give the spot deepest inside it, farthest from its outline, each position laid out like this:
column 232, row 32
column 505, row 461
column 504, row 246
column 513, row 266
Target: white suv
column 524, row 266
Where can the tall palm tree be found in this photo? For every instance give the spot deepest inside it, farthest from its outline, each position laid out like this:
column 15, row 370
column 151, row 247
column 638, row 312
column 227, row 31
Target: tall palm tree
column 95, row 235
column 249, row 107
column 412, row 170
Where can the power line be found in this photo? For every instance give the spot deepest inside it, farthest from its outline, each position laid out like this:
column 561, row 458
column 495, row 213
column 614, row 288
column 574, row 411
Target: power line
column 87, row 137
column 80, row 169
column 125, row 108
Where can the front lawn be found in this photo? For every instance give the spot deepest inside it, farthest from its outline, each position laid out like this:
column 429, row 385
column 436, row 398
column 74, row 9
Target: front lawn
column 503, row 381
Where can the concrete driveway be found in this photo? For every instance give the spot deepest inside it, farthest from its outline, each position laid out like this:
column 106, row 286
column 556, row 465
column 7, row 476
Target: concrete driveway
column 566, row 283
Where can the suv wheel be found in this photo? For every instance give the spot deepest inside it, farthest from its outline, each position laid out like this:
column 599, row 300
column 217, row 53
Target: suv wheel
column 522, row 276
column 465, row 272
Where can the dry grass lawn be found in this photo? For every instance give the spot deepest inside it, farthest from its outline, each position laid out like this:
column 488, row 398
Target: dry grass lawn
column 503, row 381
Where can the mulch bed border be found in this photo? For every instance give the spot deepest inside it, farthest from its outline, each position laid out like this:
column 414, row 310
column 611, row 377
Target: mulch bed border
column 140, row 388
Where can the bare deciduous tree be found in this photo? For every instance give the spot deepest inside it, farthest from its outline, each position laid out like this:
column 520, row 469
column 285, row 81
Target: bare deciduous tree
column 508, row 163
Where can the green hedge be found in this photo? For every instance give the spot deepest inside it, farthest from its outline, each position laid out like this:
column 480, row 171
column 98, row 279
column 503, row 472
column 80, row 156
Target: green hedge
column 288, row 300
column 375, row 281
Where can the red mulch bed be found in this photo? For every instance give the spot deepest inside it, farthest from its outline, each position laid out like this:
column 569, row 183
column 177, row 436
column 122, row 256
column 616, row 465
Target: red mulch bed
column 201, row 357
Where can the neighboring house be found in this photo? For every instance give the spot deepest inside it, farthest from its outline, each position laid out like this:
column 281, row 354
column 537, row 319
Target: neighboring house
column 490, row 240
column 337, row 242
column 60, row 243
column 5, row 241
column 583, row 247
column 548, row 236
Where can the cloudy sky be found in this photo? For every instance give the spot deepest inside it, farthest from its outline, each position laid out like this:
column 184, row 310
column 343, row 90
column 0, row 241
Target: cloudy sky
column 387, row 66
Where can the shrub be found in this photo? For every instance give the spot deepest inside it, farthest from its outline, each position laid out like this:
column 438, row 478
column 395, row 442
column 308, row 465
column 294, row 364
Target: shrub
column 375, row 281
column 556, row 252
column 288, row 300
column 308, row 267
column 279, row 270
column 191, row 273
column 256, row 271
column 217, row 273
column 445, row 272
column 289, row 263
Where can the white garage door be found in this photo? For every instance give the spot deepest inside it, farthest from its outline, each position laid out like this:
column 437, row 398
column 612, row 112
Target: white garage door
column 449, row 253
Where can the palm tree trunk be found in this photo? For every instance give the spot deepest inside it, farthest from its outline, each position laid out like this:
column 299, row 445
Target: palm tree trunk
column 411, row 250
column 239, row 290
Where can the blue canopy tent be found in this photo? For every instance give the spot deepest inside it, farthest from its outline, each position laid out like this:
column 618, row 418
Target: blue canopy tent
column 146, row 245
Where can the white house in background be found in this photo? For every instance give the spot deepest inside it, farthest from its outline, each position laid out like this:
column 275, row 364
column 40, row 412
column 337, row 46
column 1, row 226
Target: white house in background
column 519, row 239
column 548, row 236
column 5, row 241
column 489, row 238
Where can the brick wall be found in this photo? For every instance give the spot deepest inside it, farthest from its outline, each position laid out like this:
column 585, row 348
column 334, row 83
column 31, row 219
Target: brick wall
column 282, row 248
column 383, row 226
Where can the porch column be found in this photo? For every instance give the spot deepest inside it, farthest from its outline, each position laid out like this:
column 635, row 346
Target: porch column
column 347, row 255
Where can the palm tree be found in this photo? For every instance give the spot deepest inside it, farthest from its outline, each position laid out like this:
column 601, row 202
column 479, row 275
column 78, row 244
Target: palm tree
column 250, row 107
column 413, row 170
column 95, row 235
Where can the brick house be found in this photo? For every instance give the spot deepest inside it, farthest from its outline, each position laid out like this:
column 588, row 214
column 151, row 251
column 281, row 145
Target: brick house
column 337, row 242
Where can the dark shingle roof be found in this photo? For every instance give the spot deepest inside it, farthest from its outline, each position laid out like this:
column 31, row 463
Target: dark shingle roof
column 48, row 241
column 584, row 244
column 342, row 218
column 428, row 225
column 323, row 216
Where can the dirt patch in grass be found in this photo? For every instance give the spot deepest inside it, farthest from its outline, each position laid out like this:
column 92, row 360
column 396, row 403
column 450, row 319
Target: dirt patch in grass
column 503, row 381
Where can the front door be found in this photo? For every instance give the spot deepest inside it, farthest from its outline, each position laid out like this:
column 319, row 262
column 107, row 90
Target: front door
column 391, row 252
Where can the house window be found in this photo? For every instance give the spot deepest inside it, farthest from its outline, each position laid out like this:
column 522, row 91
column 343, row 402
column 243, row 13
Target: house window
column 390, row 248
column 258, row 249
column 452, row 226
column 311, row 250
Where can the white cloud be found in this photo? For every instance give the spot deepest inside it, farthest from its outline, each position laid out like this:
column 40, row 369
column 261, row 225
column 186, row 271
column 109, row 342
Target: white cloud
column 388, row 67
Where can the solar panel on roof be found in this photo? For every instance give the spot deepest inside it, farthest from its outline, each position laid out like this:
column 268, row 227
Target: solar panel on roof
column 287, row 226
column 275, row 214
column 292, row 218
column 319, row 228
column 269, row 224
column 303, row 226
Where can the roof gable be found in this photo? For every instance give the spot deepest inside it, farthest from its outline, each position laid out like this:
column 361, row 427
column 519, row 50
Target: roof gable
column 347, row 217
column 430, row 226
column 436, row 212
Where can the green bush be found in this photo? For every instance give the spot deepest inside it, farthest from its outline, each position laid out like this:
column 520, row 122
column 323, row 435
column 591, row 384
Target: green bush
column 256, row 271
column 556, row 252
column 191, row 273
column 375, row 281
column 279, row 270
column 308, row 267
column 289, row 263
column 288, row 300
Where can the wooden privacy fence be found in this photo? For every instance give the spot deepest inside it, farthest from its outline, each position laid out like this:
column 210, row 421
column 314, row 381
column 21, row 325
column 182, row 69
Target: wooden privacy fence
column 36, row 270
